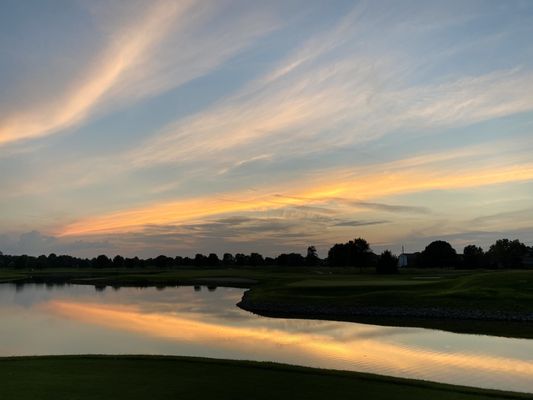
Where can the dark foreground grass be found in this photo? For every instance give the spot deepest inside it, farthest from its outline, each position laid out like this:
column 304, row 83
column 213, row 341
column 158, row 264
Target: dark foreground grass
column 155, row 377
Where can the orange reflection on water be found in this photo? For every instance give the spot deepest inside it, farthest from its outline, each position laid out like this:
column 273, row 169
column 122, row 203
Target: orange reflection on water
column 348, row 345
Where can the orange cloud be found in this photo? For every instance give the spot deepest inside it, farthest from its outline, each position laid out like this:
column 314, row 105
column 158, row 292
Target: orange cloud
column 348, row 184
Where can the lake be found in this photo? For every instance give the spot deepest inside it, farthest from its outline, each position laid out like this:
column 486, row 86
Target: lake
column 40, row 319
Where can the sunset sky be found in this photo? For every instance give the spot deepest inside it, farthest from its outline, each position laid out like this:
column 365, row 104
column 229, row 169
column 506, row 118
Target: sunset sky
column 177, row 127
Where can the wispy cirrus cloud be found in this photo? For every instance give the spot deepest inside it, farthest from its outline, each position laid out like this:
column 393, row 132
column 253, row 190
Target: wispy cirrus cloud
column 332, row 93
column 159, row 46
column 126, row 48
column 335, row 107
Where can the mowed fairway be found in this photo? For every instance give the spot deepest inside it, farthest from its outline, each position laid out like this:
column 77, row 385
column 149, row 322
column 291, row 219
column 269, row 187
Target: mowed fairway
column 484, row 290
column 144, row 377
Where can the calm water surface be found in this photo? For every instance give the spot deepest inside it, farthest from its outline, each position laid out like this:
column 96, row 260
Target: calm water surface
column 73, row 319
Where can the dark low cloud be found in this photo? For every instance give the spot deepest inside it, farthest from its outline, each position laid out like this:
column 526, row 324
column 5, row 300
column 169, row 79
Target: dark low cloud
column 234, row 220
column 269, row 236
column 392, row 208
column 360, row 223
column 316, row 210
column 238, row 227
column 35, row 243
column 504, row 216
column 290, row 230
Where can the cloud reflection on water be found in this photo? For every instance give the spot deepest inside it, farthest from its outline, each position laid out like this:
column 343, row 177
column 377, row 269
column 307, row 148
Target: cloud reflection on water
column 348, row 347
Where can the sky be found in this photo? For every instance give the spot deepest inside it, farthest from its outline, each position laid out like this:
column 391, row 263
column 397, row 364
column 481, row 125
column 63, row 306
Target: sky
column 177, row 127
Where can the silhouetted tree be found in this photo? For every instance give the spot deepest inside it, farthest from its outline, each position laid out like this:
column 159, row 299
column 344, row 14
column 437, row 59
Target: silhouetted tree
column 21, row 262
column 52, row 260
column 256, row 259
column 134, row 262
column 507, row 253
column 228, row 259
column 338, row 255
column 213, row 260
column 118, row 261
column 473, row 257
column 355, row 253
column 149, row 262
column 102, row 261
column 387, row 263
column 439, row 254
column 199, row 260
column 42, row 262
column 163, row 261
column 504, row 253
column 270, row 261
column 242, row 259
column 312, row 258
column 290, row 260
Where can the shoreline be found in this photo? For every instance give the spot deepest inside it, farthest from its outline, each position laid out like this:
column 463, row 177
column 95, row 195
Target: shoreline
column 479, row 322
column 381, row 311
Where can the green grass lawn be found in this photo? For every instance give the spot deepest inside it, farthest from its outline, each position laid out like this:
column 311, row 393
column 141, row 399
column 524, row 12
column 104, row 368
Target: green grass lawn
column 493, row 290
column 146, row 377
column 10, row 276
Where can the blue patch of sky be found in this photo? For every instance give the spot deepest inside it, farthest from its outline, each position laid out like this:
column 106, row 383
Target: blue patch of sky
column 405, row 142
column 398, row 145
column 37, row 40
column 492, row 39
column 473, row 201
column 126, row 127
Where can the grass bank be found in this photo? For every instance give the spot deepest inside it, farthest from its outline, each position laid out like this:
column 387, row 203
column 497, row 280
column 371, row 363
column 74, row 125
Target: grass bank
column 155, row 377
column 487, row 302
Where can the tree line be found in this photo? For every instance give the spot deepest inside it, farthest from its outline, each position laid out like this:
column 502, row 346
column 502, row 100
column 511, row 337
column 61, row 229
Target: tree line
column 504, row 253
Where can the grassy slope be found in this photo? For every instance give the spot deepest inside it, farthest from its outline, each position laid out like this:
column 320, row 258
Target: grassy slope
column 143, row 377
column 509, row 290
column 491, row 291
